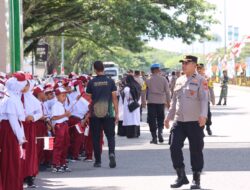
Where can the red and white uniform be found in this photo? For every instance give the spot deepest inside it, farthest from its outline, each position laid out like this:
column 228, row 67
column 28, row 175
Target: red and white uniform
column 32, row 108
column 48, row 106
column 61, row 135
column 78, row 109
column 12, row 135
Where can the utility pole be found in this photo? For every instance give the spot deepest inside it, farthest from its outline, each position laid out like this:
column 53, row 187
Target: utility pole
column 62, row 58
column 15, row 34
column 225, row 27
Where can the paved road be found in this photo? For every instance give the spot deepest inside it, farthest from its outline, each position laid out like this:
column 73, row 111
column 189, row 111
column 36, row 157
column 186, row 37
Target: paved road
column 148, row 167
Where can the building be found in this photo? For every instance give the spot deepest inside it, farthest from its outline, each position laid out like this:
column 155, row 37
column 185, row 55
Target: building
column 4, row 45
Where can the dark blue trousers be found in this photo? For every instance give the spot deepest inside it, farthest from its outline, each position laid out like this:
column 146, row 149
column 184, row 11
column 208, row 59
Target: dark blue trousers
column 179, row 132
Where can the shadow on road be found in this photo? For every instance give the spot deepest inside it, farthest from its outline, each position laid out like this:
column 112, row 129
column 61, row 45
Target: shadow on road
column 157, row 163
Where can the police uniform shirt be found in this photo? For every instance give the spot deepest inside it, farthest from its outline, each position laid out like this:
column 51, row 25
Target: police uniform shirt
column 57, row 110
column 190, row 99
column 158, row 89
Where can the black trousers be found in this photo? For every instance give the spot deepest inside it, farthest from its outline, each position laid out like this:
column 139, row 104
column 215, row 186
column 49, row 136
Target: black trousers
column 108, row 126
column 209, row 117
column 179, row 132
column 156, row 115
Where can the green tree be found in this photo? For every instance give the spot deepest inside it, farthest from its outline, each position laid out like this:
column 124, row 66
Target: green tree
column 116, row 23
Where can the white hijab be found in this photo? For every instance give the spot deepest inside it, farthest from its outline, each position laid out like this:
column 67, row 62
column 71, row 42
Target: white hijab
column 32, row 104
column 12, row 104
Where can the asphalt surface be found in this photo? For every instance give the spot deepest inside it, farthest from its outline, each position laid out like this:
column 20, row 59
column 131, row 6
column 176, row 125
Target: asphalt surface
column 141, row 165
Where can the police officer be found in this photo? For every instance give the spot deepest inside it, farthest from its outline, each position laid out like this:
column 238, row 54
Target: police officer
column 188, row 109
column 224, row 88
column 158, row 96
column 211, row 98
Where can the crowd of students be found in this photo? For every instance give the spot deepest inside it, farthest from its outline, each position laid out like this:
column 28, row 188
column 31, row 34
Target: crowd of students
column 31, row 112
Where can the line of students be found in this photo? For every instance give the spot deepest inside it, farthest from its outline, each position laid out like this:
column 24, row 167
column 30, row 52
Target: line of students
column 28, row 113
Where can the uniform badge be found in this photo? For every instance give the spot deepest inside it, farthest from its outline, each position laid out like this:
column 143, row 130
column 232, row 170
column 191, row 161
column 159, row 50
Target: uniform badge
column 192, row 92
column 195, row 80
column 205, row 85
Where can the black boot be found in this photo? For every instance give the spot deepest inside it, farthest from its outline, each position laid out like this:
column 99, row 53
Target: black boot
column 196, row 180
column 209, row 131
column 181, row 178
column 154, row 141
column 30, row 182
column 154, row 138
column 160, row 137
column 225, row 103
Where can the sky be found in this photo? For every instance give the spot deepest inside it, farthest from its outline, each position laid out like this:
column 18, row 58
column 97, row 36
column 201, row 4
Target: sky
column 237, row 12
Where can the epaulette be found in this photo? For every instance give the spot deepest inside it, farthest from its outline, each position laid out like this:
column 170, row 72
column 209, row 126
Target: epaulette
column 194, row 75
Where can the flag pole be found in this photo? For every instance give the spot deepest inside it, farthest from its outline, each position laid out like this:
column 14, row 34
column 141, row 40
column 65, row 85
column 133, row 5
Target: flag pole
column 225, row 28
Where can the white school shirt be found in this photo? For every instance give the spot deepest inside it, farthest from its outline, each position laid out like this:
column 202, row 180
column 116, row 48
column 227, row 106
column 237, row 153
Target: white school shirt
column 68, row 103
column 11, row 109
column 32, row 106
column 48, row 107
column 80, row 108
column 57, row 110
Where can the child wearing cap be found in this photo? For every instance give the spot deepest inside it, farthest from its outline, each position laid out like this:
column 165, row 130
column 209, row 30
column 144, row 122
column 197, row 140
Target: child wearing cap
column 59, row 118
column 79, row 109
column 41, row 127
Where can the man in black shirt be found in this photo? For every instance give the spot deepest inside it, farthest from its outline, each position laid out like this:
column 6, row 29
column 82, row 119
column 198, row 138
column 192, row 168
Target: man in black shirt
column 103, row 112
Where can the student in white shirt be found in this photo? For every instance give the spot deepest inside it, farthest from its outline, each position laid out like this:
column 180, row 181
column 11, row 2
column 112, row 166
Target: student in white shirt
column 79, row 109
column 41, row 127
column 60, row 117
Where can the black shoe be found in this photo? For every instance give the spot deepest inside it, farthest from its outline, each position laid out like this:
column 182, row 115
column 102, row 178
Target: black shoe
column 33, row 186
column 161, row 140
column 57, row 169
column 218, row 104
column 112, row 162
column 42, row 167
column 65, row 168
column 30, row 182
column 209, row 132
column 97, row 165
column 181, row 178
column 196, row 181
column 224, row 104
column 153, row 141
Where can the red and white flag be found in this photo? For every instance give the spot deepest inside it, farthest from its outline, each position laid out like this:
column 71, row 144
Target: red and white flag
column 62, row 70
column 54, row 72
column 236, row 50
column 48, row 143
column 86, row 132
column 79, row 88
column 79, row 128
column 209, row 57
column 247, row 39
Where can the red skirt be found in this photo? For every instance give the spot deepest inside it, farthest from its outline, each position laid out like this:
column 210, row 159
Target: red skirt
column 1, row 188
column 29, row 165
column 10, row 162
column 41, row 131
column 76, row 138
